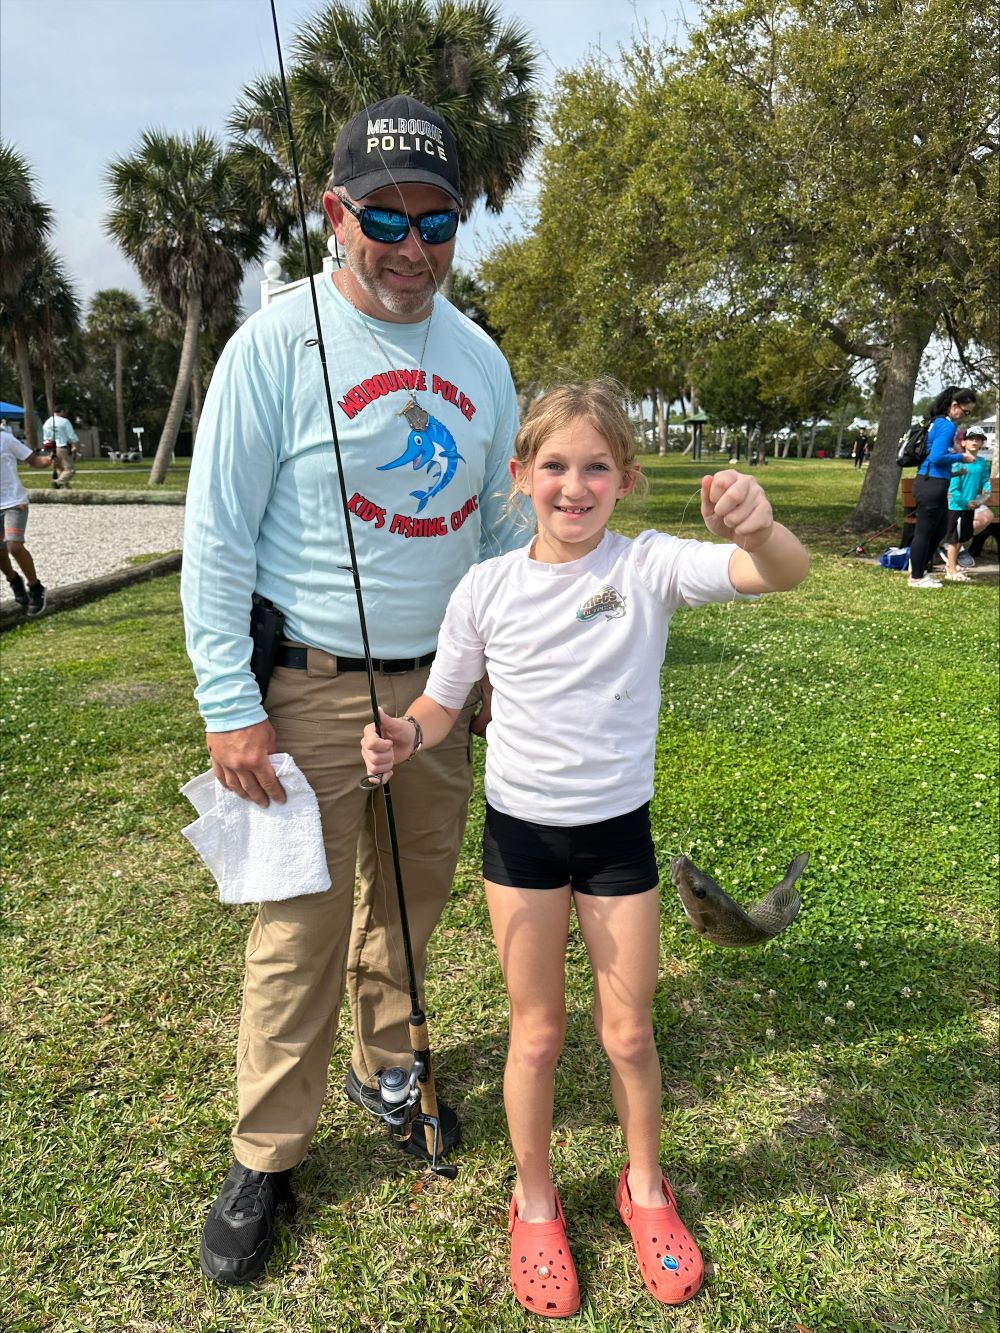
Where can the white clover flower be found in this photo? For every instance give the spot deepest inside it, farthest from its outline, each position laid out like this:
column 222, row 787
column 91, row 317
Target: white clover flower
column 771, row 994
column 830, row 1022
column 116, row 874
column 756, row 995
column 906, row 992
column 770, row 1034
column 850, row 1004
column 862, row 963
column 821, row 985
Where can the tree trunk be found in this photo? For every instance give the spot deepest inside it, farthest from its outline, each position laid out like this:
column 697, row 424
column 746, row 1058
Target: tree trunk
column 661, row 427
column 27, row 392
column 175, row 413
column 120, row 393
column 876, row 507
column 811, row 449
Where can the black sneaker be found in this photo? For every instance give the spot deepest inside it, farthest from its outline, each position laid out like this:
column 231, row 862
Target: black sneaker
column 363, row 1094
column 18, row 590
column 36, row 599
column 239, row 1231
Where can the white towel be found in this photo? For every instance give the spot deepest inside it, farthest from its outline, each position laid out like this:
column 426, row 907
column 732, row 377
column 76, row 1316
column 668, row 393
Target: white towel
column 259, row 854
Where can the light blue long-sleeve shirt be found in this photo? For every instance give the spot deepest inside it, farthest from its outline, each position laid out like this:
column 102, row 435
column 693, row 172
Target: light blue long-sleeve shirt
column 427, row 498
column 59, row 431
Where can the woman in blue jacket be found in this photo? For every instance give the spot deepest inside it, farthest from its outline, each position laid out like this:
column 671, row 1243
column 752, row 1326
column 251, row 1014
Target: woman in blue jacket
column 930, row 486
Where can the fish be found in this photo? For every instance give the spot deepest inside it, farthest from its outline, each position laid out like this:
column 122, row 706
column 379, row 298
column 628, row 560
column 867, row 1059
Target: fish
column 721, row 920
column 426, row 447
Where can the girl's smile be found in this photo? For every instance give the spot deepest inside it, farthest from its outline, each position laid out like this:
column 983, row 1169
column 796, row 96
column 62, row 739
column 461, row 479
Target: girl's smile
column 574, row 483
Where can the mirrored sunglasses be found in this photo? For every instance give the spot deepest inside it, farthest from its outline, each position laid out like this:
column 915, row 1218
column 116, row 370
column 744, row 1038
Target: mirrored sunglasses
column 388, row 226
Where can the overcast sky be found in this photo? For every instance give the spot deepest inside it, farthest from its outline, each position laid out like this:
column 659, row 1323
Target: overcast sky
column 80, row 79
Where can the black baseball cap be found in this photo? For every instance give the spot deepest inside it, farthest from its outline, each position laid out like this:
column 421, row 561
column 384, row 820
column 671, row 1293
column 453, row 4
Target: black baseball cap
column 395, row 142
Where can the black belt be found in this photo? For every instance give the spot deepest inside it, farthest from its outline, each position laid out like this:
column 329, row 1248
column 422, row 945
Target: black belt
column 298, row 660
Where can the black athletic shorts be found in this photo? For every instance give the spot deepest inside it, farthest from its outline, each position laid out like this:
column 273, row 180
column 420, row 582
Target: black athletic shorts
column 959, row 526
column 609, row 859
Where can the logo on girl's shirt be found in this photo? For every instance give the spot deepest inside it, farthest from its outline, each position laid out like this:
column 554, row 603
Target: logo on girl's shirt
column 607, row 602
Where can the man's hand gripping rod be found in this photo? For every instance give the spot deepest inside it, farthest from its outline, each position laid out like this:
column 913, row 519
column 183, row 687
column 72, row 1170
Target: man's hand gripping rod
column 402, row 1116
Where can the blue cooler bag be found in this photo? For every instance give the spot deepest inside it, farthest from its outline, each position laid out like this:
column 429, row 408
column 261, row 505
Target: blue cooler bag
column 896, row 557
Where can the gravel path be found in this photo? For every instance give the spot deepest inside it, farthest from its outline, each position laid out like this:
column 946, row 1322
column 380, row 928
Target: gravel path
column 74, row 542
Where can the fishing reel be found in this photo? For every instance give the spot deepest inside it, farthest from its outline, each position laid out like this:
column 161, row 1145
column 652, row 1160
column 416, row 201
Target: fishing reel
column 399, row 1093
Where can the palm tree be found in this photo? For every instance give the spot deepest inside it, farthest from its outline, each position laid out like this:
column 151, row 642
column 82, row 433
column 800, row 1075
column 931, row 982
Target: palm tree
column 24, row 222
column 116, row 317
column 460, row 58
column 182, row 215
column 43, row 310
column 59, row 314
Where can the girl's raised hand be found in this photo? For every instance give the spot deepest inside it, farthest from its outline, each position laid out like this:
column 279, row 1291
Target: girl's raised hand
column 382, row 753
column 734, row 506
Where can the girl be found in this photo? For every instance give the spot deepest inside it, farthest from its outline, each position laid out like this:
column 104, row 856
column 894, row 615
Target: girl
column 930, row 486
column 572, row 631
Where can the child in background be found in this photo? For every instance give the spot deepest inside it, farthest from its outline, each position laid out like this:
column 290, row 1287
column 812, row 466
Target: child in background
column 969, row 487
column 14, row 520
column 572, row 631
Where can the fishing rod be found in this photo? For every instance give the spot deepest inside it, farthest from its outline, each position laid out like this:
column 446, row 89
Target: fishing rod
column 401, row 1092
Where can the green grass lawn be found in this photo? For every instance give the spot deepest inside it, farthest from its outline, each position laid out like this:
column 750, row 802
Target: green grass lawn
column 818, row 493
column 101, row 474
column 829, row 1100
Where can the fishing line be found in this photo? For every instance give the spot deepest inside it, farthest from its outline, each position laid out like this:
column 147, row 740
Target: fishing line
column 421, row 1073
column 486, row 535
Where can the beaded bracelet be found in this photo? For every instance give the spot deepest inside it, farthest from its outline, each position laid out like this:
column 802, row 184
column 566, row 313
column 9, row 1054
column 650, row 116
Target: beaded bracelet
column 418, row 733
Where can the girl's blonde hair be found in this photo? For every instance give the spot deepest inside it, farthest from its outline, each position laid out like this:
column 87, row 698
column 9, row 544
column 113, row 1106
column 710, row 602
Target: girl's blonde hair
column 599, row 401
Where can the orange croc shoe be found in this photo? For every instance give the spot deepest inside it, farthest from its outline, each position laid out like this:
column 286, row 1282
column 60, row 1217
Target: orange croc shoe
column 541, row 1266
column 669, row 1259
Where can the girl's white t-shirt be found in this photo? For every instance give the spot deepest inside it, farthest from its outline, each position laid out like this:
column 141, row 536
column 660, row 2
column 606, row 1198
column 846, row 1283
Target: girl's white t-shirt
column 573, row 653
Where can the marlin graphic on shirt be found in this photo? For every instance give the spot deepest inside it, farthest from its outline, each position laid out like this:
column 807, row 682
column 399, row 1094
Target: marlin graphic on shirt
column 430, row 445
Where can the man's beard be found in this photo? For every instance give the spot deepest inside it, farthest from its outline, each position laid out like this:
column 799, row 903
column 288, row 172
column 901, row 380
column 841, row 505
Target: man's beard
column 415, row 303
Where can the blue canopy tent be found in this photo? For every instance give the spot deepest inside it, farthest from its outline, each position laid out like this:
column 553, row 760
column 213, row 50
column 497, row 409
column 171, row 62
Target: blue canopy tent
column 9, row 410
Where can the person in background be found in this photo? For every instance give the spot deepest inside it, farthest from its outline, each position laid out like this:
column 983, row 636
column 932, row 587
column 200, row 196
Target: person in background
column 58, row 431
column 969, row 488
column 984, row 519
column 930, row 486
column 14, row 520
column 862, row 447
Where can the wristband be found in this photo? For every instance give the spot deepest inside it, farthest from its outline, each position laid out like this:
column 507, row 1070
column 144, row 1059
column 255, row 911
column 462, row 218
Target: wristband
column 418, row 733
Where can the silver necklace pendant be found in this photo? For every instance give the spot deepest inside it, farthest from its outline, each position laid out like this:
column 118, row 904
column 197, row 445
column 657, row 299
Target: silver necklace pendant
column 416, row 417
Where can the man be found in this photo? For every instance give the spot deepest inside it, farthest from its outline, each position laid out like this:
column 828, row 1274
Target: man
column 862, row 447
column 58, row 431
column 426, row 415
column 14, row 520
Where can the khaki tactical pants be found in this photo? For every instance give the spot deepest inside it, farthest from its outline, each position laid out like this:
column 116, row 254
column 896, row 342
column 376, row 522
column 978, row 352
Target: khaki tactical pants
column 300, row 949
column 66, row 463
